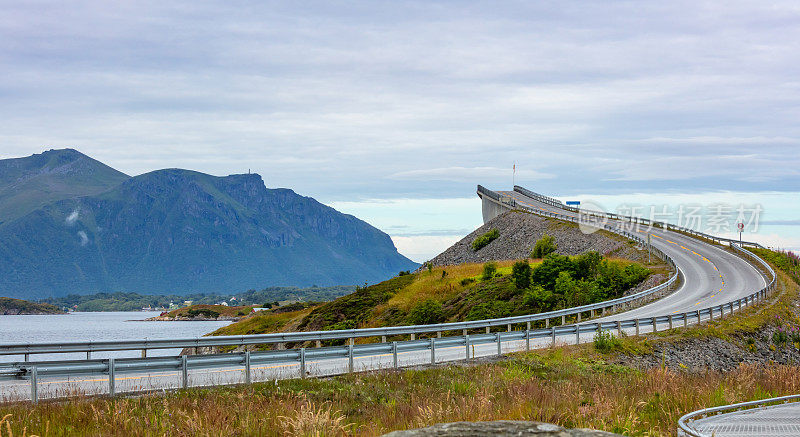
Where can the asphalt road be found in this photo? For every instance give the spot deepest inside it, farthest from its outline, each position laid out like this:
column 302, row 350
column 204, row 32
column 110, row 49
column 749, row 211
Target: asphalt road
column 712, row 276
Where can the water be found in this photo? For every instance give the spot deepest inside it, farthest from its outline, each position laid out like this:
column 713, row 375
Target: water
column 95, row 327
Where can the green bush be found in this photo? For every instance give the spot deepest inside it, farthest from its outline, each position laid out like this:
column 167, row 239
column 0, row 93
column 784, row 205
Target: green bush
column 467, row 281
column 521, row 273
column 211, row 314
column 426, row 313
column 489, row 270
column 605, row 342
column 545, row 246
column 485, row 239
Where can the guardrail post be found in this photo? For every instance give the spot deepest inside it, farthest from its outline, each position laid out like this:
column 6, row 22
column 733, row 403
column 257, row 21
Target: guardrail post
column 247, row 367
column 394, row 354
column 438, row 334
column 591, row 313
column 88, row 355
column 619, row 328
column 670, row 321
column 528, row 336
column 564, row 320
column 383, row 339
column 488, row 330
column 509, row 327
column 685, row 320
column 711, row 313
column 554, row 335
column 637, row 326
column 184, row 371
column 546, row 323
column 413, row 336
column 466, row 342
column 350, row 358
column 318, row 343
column 111, row 379
column 499, row 345
column 655, row 324
column 34, row 385
column 433, row 351
column 302, row 362
column 577, row 334
column 27, row 357
column 579, row 316
column 144, row 353
column 697, row 312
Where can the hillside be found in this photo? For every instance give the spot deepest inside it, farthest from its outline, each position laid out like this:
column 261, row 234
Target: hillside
column 466, row 292
column 519, row 231
column 10, row 307
column 179, row 231
column 34, row 181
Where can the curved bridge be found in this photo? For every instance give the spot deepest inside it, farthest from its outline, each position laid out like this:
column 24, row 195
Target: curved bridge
column 716, row 282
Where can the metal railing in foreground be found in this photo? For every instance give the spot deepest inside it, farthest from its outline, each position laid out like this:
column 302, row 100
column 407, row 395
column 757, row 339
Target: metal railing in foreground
column 685, row 423
column 111, row 367
column 300, row 337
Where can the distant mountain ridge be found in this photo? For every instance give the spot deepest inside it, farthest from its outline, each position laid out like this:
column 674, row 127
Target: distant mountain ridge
column 179, row 231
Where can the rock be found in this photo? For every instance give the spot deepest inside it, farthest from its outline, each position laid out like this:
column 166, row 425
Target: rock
column 500, row 428
column 519, row 232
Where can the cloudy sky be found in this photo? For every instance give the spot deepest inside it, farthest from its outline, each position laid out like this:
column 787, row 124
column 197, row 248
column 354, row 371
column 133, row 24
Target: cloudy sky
column 394, row 111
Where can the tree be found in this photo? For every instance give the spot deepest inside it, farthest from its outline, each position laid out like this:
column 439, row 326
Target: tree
column 545, row 246
column 427, row 313
column 489, row 270
column 521, row 273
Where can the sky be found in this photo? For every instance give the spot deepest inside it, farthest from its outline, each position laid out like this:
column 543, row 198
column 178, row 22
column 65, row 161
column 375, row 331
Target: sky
column 395, row 111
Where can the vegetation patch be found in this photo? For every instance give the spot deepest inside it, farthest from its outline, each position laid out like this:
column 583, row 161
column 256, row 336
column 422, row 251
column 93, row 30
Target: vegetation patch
column 10, row 306
column 482, row 241
column 571, row 387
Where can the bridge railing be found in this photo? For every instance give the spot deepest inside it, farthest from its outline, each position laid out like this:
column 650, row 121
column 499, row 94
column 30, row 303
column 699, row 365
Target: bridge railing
column 687, row 428
column 632, row 219
column 299, row 356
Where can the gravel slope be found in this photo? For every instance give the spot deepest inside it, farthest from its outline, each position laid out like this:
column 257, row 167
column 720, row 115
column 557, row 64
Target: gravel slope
column 519, row 232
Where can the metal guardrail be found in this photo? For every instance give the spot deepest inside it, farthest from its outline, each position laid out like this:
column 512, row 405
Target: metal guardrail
column 638, row 220
column 112, row 366
column 27, row 349
column 541, row 197
column 685, row 422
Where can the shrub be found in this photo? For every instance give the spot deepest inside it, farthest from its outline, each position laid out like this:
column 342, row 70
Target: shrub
column 205, row 312
column 489, row 270
column 404, row 273
column 481, row 242
column 466, row 281
column 538, row 297
column 545, row 246
column 780, row 337
column 605, row 342
column 521, row 273
column 427, row 313
column 267, row 305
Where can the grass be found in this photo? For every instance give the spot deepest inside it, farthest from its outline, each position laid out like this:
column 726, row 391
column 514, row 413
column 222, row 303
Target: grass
column 781, row 311
column 221, row 310
column 570, row 387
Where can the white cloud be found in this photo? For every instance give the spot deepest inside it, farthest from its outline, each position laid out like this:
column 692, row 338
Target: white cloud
column 467, row 174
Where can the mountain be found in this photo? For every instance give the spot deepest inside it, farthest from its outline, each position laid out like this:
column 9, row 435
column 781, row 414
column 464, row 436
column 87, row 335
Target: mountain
column 179, row 231
column 32, row 182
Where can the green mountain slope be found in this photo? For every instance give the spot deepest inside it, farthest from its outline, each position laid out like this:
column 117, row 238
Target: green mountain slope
column 179, row 231
column 34, row 181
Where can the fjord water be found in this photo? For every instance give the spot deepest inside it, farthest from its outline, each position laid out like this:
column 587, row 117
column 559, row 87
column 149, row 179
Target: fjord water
column 95, row 327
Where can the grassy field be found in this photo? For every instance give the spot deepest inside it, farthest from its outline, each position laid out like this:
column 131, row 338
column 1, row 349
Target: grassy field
column 574, row 386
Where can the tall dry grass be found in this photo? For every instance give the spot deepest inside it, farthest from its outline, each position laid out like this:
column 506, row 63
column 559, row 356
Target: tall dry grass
column 573, row 389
